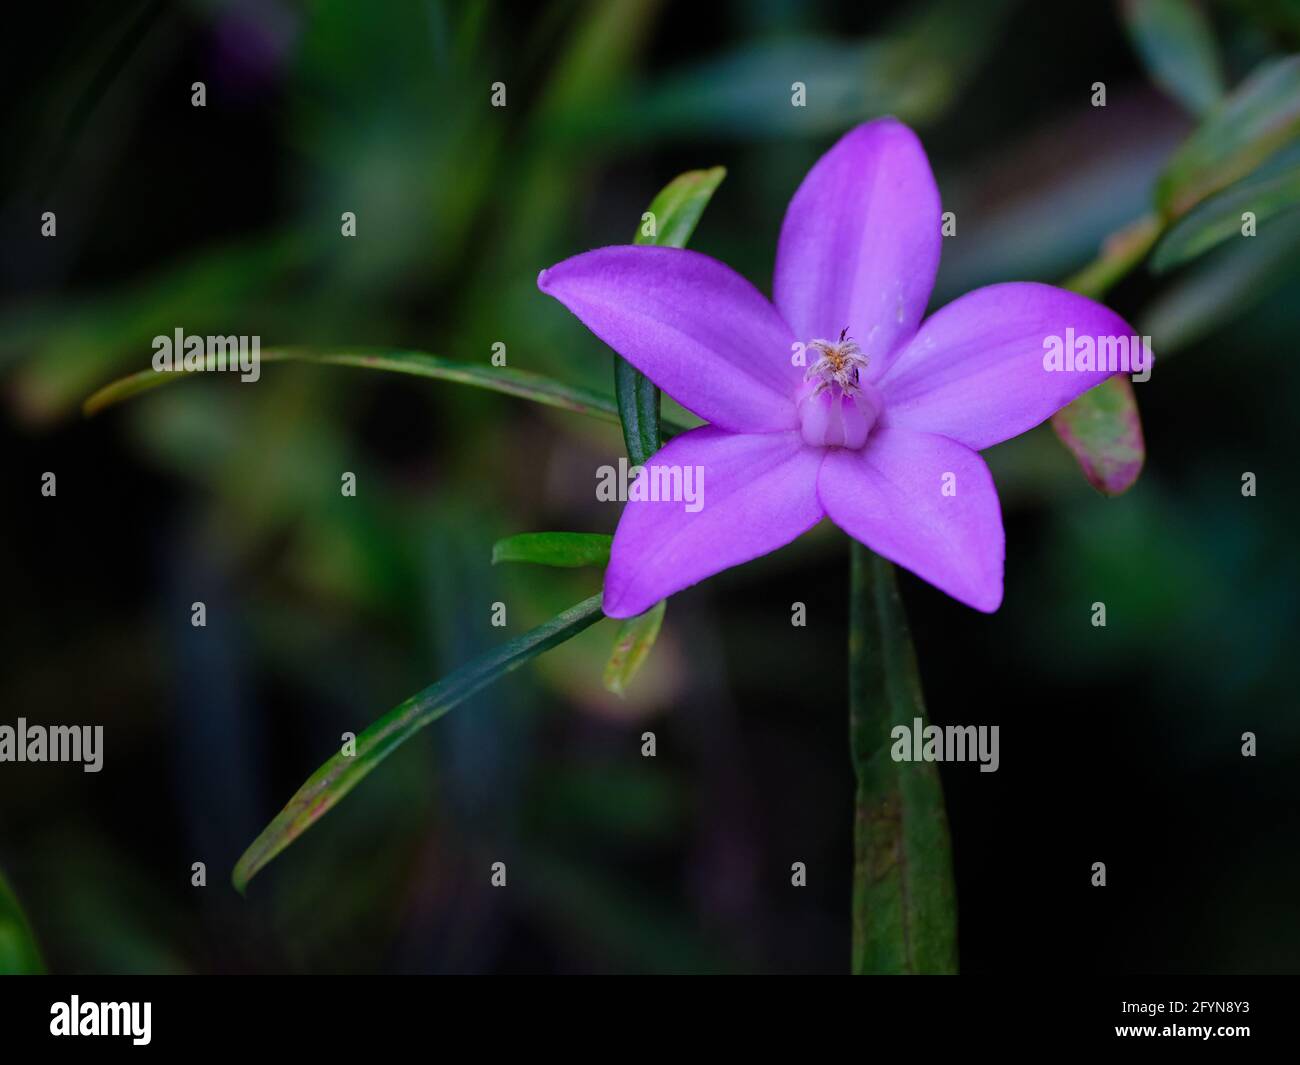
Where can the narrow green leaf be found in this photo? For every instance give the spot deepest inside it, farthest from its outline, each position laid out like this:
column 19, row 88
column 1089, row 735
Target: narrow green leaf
column 1219, row 218
column 669, row 222
column 904, row 900
column 332, row 781
column 635, row 638
column 1223, row 287
column 677, row 210
column 1177, row 46
column 1103, row 432
column 504, row 379
column 19, row 954
column 1245, row 128
column 567, row 549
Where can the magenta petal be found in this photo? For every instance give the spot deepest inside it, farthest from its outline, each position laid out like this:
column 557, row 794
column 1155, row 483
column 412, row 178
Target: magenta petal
column 975, row 371
column 695, row 327
column 760, row 492
column 860, row 242
column 926, row 503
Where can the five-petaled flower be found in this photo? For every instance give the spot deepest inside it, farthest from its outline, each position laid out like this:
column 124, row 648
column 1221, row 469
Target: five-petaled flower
column 836, row 399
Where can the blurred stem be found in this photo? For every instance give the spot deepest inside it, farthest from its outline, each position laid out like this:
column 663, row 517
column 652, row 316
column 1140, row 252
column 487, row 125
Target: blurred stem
column 904, row 900
column 1120, row 253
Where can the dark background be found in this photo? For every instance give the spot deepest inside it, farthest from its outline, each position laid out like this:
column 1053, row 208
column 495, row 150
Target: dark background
column 1119, row 744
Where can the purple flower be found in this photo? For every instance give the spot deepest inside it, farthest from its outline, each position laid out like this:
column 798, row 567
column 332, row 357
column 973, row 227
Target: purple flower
column 835, row 400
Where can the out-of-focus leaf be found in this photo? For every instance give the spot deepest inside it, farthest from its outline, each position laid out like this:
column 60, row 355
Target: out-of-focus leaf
column 914, row 71
column 1223, row 287
column 1219, row 218
column 505, row 379
column 567, row 549
column 636, row 636
column 332, row 781
column 66, row 344
column 1103, row 431
column 1176, row 43
column 673, row 215
column 1240, row 132
column 599, row 55
column 1102, row 428
column 18, row 951
column 904, row 899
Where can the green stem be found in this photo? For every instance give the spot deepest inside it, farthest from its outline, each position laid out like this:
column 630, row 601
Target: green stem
column 1120, row 253
column 638, row 410
column 904, row 901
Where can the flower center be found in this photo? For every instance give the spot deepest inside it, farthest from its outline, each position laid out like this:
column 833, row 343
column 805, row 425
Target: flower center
column 836, row 407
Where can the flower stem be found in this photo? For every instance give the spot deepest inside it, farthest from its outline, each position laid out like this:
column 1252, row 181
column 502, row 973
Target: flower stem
column 1120, row 253
column 904, row 901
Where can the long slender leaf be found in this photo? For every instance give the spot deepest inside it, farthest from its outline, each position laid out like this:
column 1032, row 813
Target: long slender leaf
column 1255, row 120
column 19, row 954
column 332, row 781
column 1224, row 286
column 567, row 549
column 1210, row 223
column 512, row 382
column 1176, row 42
column 904, row 900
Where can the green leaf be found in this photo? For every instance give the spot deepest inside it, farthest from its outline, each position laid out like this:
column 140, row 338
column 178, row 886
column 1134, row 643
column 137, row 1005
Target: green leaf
column 1177, row 46
column 678, row 208
column 1102, row 428
column 1245, row 128
column 1103, row 431
column 1223, row 287
column 19, row 954
column 332, row 781
column 504, row 379
column 1219, row 218
column 631, row 647
column 669, row 222
column 567, row 549
column 904, row 900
